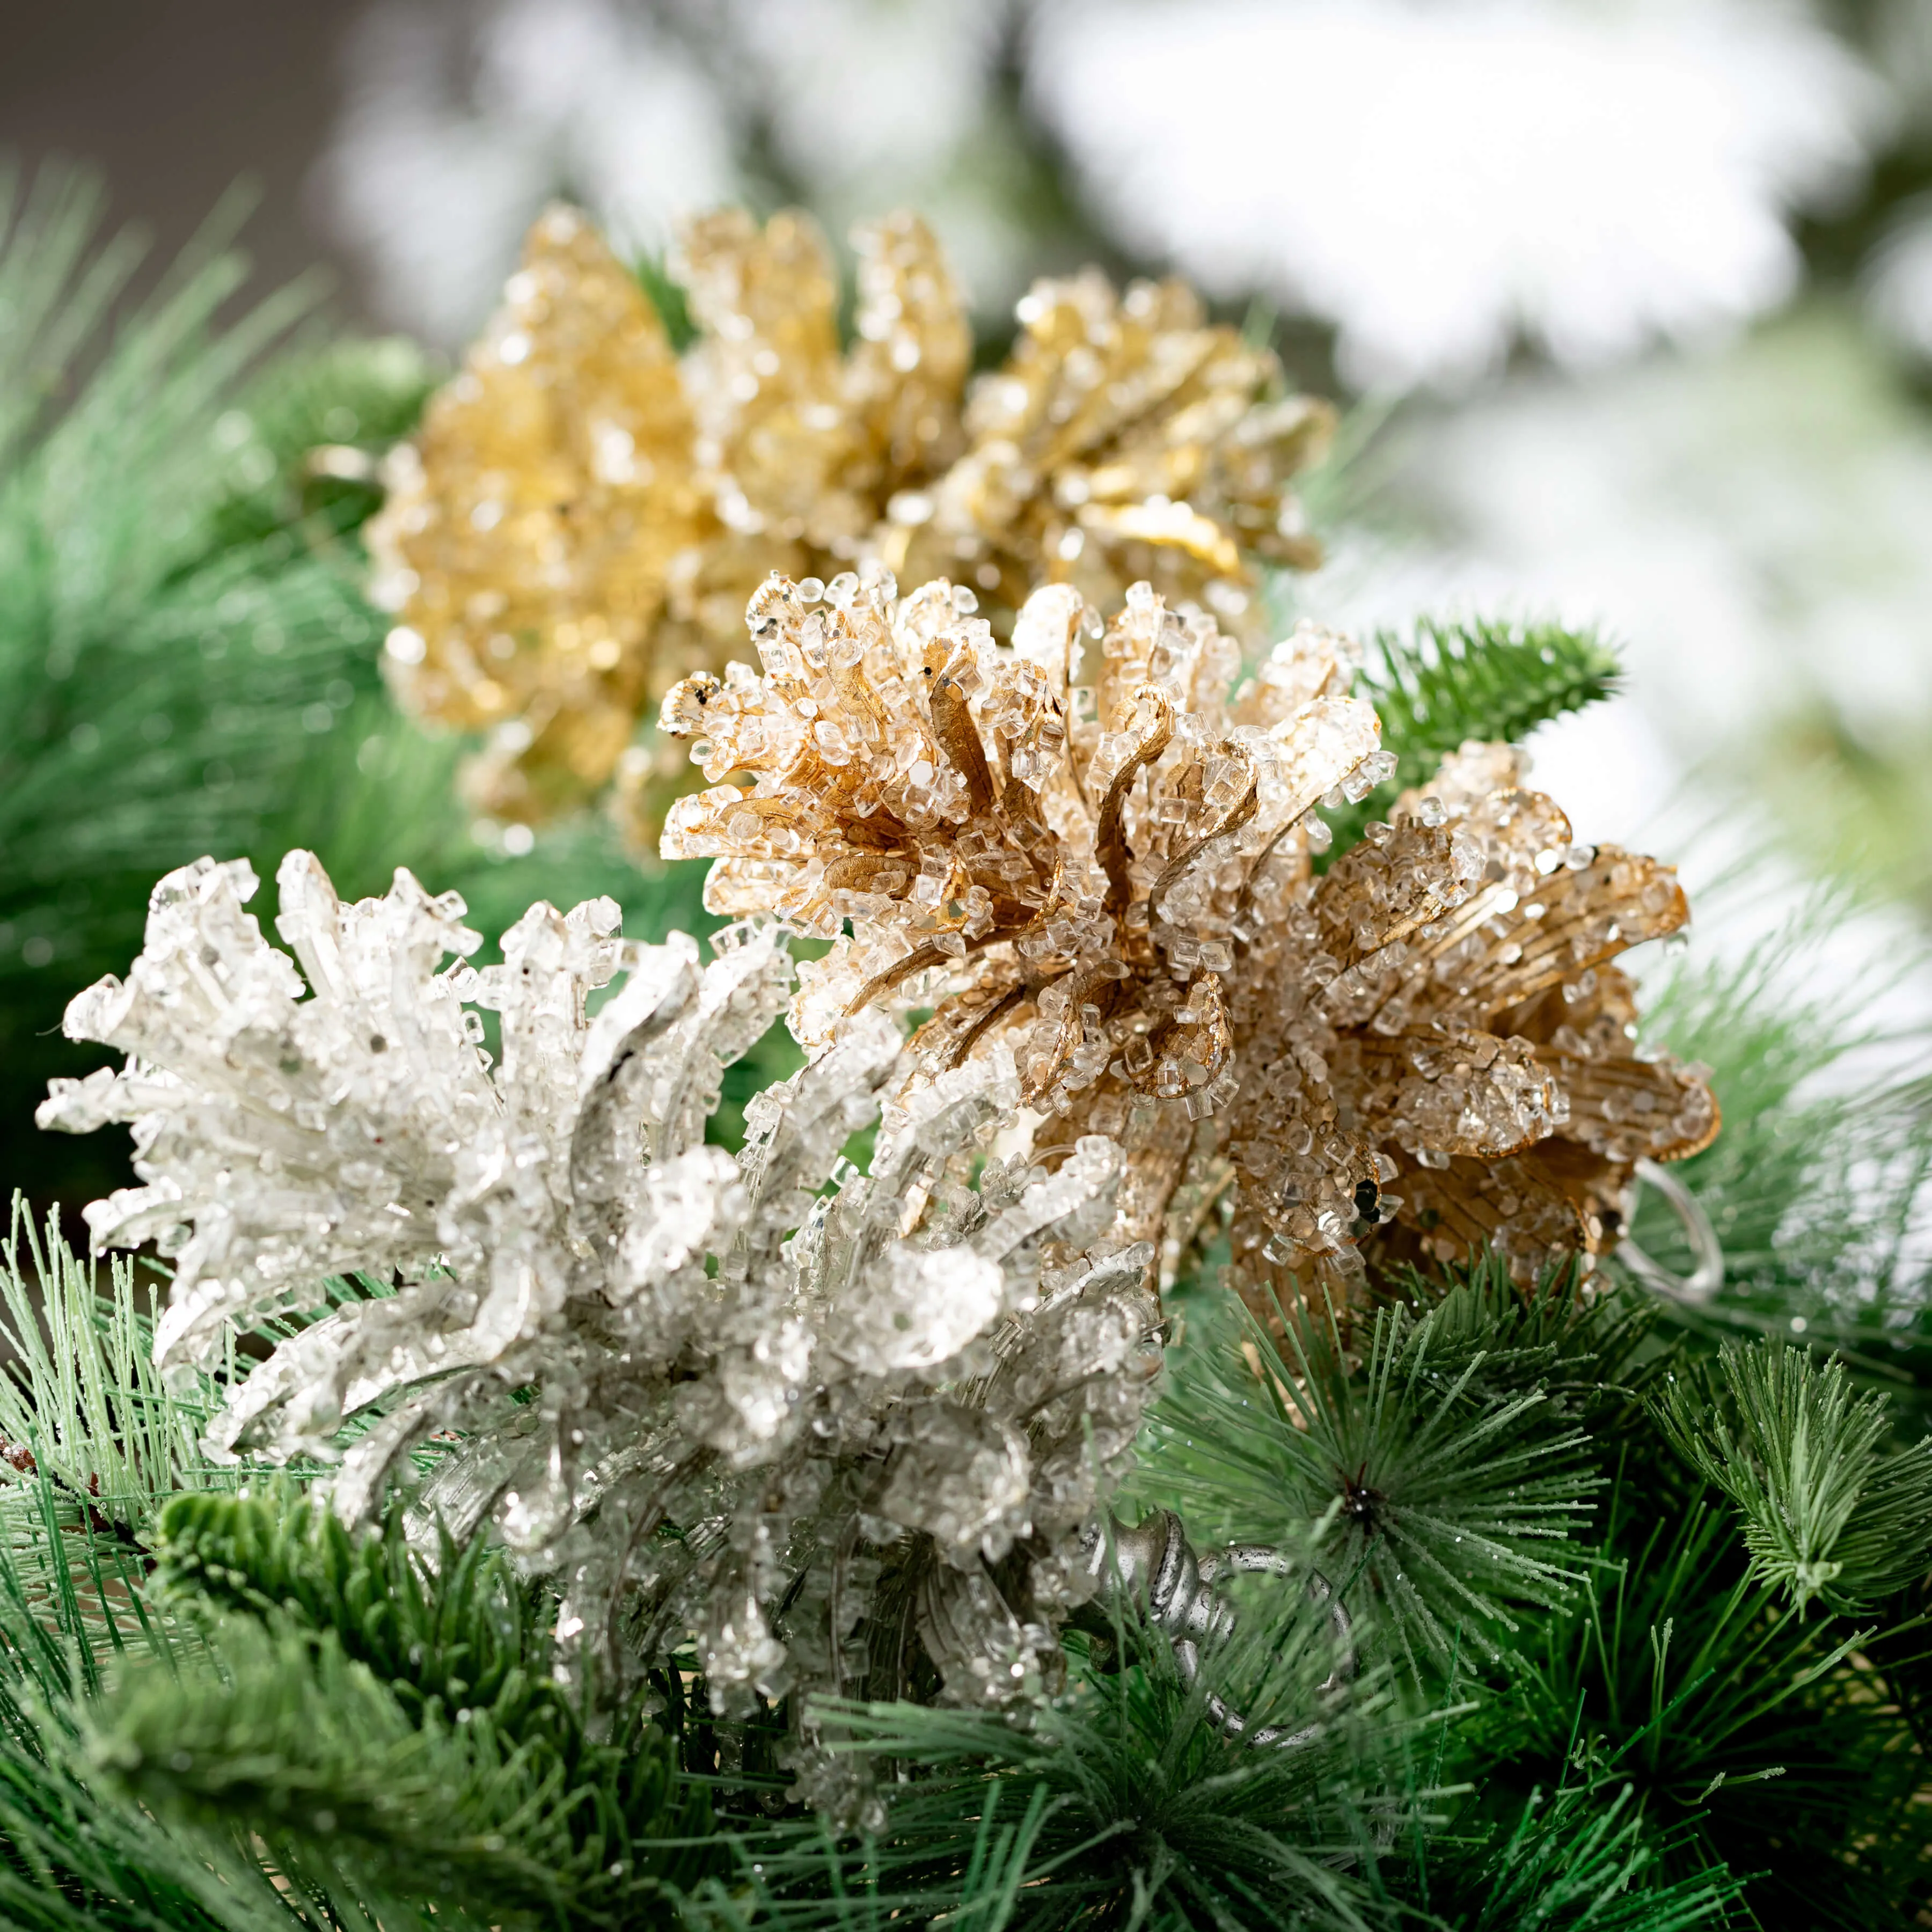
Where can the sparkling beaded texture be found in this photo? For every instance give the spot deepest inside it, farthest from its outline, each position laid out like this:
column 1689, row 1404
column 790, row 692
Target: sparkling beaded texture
column 1096, row 843
column 584, row 513
column 816, row 1421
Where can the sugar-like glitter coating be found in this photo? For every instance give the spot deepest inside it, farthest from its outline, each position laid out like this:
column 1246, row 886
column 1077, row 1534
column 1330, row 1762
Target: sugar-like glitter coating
column 1095, row 843
column 580, row 520
column 847, row 1395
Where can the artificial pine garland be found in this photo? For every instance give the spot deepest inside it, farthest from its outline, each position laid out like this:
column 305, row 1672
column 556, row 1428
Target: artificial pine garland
column 538, row 1498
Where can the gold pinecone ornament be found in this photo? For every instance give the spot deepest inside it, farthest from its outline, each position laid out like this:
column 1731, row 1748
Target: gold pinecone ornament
column 1096, row 843
column 532, row 531
column 584, row 513
column 1477, row 1039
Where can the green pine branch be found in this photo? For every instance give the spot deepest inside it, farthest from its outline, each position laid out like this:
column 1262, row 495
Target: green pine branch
column 667, row 296
column 74, row 1854
column 72, row 1860
column 1587, row 1349
column 289, row 1739
column 1827, row 1514
column 1757, row 1741
column 460, row 1630
column 474, row 1753
column 188, row 659
column 1582, row 1856
column 1437, row 1502
column 1491, row 679
column 1488, row 679
column 93, row 1441
column 81, row 1402
column 1818, row 1185
column 1122, row 1803
column 298, row 450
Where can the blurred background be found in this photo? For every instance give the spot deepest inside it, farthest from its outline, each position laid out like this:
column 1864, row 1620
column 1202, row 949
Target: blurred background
column 1628, row 302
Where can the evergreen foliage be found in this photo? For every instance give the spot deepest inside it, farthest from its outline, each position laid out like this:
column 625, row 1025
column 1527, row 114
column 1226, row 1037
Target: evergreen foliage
column 1583, row 1855
column 152, row 680
column 81, row 1404
column 1826, row 1513
column 1436, row 1497
column 290, row 1737
column 1120, row 1803
column 1454, row 680
column 1758, row 1741
column 456, row 1628
column 1696, row 1738
column 1638, row 1623
column 410, row 1705
column 73, row 1861
column 1817, row 1186
column 301, row 444
column 81, row 1401
column 1589, row 1355
column 667, row 296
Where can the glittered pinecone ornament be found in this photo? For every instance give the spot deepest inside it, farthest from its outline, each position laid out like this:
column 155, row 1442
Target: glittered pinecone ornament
column 1096, row 843
column 875, row 1415
column 584, row 513
column 1479, row 1047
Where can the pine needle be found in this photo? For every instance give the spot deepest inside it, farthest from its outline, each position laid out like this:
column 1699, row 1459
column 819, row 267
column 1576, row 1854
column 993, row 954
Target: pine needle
column 1827, row 1515
column 1584, row 1855
column 1435, row 1501
column 188, row 661
column 1764, row 1734
column 1486, row 678
column 403, row 1715
column 1819, row 1185
column 1121, row 1803
column 82, row 1402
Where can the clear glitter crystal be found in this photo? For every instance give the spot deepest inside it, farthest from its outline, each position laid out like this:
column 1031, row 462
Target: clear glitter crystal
column 581, row 518
column 1103, row 860
column 821, row 1385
